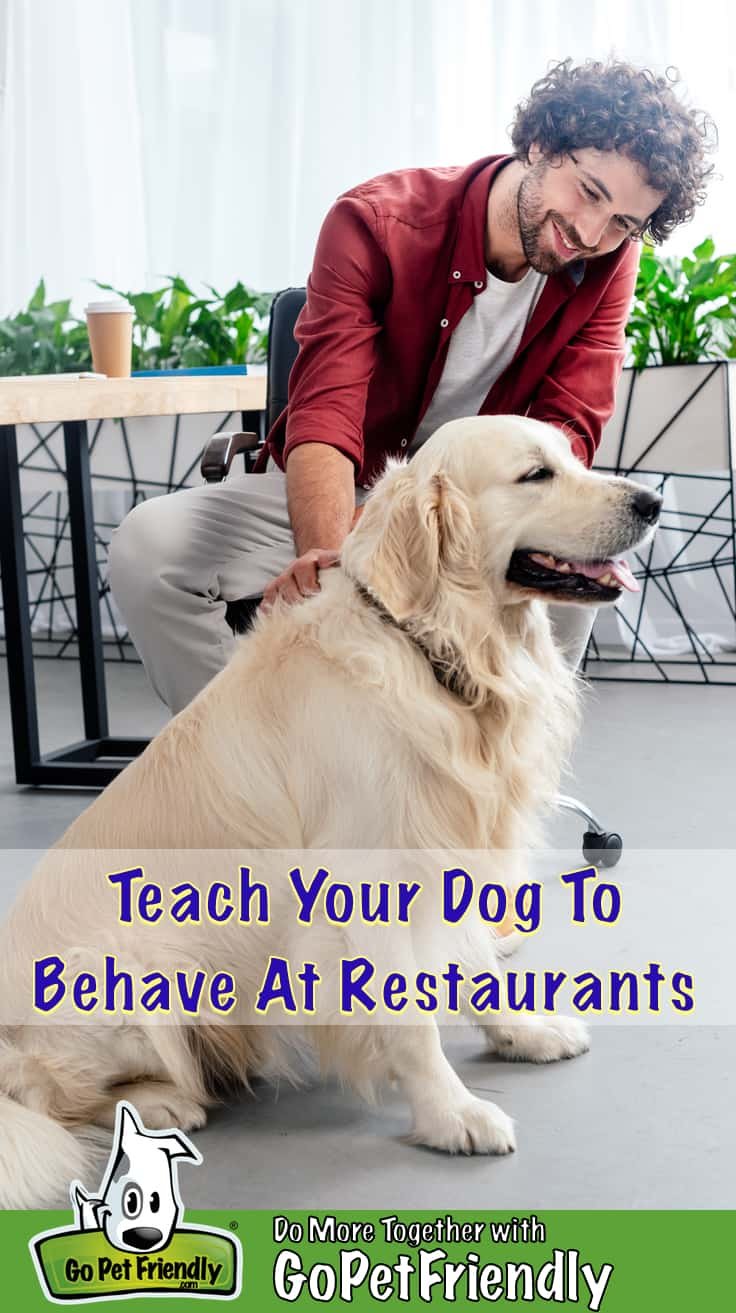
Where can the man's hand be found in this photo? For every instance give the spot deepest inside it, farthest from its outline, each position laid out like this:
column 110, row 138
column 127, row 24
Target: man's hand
column 301, row 579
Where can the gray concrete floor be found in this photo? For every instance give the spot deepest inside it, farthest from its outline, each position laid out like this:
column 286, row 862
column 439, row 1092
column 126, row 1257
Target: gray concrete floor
column 644, row 1120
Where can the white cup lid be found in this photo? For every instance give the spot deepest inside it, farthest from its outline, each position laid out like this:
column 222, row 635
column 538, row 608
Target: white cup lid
column 108, row 308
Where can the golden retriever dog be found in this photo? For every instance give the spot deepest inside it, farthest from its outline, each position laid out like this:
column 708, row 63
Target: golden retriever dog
column 418, row 702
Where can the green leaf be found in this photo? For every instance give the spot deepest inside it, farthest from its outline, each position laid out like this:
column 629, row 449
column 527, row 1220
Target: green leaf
column 179, row 285
column 175, row 315
column 108, row 287
column 60, row 310
column 237, row 299
column 39, row 296
column 146, row 306
column 193, row 353
column 704, row 273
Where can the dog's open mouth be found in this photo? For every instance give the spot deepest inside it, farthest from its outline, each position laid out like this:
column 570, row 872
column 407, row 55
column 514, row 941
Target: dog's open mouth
column 602, row 581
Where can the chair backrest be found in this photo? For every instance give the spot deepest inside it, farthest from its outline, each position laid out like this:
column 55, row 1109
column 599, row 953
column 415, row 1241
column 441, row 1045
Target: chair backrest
column 282, row 348
column 282, row 352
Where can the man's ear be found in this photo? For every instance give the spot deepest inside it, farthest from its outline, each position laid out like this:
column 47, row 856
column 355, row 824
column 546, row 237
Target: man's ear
column 428, row 535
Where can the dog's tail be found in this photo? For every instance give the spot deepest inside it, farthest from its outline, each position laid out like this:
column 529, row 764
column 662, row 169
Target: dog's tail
column 38, row 1158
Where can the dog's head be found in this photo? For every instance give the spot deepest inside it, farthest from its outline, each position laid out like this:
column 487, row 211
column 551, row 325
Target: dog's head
column 497, row 506
column 140, row 1203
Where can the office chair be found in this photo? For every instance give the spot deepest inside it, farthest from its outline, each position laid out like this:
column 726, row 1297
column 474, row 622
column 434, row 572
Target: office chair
column 600, row 847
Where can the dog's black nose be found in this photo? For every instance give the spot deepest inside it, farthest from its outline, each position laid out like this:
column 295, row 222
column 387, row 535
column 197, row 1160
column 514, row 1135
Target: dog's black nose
column 648, row 505
column 142, row 1237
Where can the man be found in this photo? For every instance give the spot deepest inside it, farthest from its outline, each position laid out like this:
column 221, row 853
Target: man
column 500, row 287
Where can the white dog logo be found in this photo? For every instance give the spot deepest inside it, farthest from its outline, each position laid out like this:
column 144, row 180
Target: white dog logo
column 138, row 1205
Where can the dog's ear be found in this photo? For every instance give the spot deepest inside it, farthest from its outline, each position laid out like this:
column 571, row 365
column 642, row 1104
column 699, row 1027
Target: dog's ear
column 178, row 1146
column 427, row 538
column 129, row 1127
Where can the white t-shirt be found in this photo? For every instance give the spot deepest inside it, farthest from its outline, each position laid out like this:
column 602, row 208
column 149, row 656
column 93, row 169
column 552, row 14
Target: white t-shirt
column 482, row 345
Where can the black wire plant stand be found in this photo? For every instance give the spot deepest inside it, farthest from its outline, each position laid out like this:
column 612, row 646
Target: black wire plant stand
column 694, row 551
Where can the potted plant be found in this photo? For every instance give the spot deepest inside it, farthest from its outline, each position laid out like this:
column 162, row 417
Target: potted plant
column 673, row 428
column 43, row 339
column 174, row 328
column 681, row 334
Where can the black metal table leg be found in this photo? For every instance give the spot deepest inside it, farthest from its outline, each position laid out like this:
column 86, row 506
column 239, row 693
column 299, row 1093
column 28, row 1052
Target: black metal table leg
column 21, row 678
column 89, row 629
column 98, row 758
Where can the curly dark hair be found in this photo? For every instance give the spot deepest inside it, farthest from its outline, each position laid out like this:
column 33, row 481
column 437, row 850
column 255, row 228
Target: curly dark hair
column 614, row 106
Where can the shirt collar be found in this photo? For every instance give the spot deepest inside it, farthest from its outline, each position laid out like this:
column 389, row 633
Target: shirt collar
column 469, row 255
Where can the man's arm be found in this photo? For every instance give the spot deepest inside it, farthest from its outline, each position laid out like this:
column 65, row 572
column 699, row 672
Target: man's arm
column 336, row 332
column 578, row 392
column 347, row 290
column 320, row 489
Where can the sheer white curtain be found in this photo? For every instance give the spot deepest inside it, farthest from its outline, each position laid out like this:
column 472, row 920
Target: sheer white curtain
column 209, row 137
column 71, row 151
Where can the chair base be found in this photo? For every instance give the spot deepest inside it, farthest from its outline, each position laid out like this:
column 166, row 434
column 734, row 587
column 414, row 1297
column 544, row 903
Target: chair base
column 600, row 847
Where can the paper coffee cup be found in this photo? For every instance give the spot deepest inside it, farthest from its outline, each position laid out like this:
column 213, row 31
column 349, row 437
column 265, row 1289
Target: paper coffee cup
column 110, row 329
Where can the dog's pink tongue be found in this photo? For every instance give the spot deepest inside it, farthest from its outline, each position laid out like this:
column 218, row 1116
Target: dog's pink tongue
column 620, row 570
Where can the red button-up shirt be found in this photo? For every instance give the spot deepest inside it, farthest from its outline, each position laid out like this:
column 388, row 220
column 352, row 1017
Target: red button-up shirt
column 398, row 261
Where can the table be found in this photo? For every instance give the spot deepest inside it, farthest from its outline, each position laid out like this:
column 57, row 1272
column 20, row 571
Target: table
column 98, row 757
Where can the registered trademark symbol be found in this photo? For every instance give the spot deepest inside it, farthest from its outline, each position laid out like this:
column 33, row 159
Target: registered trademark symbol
column 233, row 1226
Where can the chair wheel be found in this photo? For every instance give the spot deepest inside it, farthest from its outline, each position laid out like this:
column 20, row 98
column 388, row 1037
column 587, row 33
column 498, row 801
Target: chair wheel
column 602, row 849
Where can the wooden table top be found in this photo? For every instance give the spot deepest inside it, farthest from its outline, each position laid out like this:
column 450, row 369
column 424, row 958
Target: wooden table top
column 36, row 400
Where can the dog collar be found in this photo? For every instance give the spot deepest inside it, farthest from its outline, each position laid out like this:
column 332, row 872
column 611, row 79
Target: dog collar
column 443, row 672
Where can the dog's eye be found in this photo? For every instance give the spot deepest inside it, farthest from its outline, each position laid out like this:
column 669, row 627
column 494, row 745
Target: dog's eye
column 154, row 1202
column 537, row 475
column 132, row 1200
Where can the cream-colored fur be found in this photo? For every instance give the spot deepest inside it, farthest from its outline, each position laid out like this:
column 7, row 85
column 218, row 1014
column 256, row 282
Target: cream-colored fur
column 327, row 730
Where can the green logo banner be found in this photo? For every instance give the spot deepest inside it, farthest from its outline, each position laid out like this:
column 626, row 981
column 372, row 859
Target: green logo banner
column 82, row 1265
column 619, row 1262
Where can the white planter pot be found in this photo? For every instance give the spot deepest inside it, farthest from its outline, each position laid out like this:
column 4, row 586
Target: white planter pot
column 676, row 418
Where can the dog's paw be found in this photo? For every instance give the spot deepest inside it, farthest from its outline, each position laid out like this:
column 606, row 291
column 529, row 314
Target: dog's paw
column 160, row 1107
column 472, row 1126
column 177, row 1110
column 539, row 1039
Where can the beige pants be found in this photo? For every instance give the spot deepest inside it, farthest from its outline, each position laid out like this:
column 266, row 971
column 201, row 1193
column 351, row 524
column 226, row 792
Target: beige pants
column 175, row 561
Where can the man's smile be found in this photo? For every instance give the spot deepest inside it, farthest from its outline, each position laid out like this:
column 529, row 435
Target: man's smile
column 563, row 245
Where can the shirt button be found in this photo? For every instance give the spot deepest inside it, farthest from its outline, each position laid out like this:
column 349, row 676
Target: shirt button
column 403, row 442
column 456, row 273
column 444, row 323
column 479, row 284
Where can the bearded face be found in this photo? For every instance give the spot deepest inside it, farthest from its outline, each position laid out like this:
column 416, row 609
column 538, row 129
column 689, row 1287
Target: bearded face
column 545, row 231
column 580, row 205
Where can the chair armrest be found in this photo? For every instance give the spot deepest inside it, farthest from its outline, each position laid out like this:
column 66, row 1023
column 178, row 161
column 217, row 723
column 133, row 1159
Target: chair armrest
column 220, row 451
